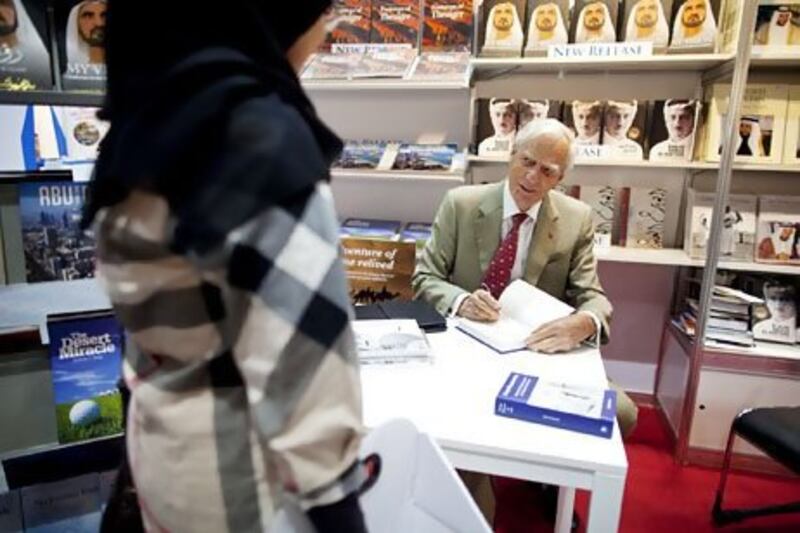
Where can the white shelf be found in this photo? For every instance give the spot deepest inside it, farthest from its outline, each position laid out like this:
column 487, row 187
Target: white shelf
column 394, row 175
column 749, row 167
column 761, row 349
column 765, row 268
column 665, row 256
column 675, row 62
column 772, row 59
column 691, row 165
column 385, row 85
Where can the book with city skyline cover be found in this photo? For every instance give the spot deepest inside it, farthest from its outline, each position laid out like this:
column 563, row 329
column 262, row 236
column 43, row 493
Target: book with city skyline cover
column 523, row 308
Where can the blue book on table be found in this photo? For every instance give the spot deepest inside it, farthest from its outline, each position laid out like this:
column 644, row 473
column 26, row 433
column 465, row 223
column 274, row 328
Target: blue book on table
column 573, row 407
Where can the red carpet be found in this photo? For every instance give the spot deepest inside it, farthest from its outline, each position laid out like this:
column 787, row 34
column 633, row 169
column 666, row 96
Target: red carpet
column 660, row 496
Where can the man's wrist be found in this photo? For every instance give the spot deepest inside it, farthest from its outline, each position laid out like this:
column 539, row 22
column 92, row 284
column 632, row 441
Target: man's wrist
column 457, row 303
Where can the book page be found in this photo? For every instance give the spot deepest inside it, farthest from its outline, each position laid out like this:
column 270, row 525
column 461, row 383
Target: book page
column 530, row 306
column 505, row 335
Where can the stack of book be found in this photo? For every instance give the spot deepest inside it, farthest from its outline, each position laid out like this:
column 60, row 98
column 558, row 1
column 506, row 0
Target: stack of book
column 729, row 317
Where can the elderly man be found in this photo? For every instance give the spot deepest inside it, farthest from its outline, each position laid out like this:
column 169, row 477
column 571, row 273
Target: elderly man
column 545, row 235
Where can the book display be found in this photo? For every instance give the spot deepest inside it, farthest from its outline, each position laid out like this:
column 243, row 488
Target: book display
column 500, row 31
column 777, row 27
column 24, row 46
column 738, row 225
column 791, row 152
column 548, row 24
column 447, row 25
column 694, row 26
column 350, row 22
column 595, row 21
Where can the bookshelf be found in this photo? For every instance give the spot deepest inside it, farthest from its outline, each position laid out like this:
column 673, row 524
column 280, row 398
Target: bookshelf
column 58, row 98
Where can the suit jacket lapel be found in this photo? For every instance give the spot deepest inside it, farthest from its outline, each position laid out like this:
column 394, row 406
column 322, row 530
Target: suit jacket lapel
column 542, row 242
column 487, row 225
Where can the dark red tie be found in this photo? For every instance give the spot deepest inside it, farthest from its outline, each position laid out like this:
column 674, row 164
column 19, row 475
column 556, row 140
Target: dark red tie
column 498, row 274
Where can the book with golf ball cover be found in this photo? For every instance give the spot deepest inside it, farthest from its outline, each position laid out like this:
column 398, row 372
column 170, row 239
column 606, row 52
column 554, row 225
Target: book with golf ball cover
column 86, row 363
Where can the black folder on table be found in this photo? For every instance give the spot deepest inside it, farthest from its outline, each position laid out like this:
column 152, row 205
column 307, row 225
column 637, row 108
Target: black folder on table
column 428, row 318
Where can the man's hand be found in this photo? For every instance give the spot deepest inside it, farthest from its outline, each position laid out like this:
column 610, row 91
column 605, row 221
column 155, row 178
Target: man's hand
column 562, row 335
column 480, row 306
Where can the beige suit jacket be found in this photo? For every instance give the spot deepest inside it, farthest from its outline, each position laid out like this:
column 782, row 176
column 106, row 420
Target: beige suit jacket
column 466, row 234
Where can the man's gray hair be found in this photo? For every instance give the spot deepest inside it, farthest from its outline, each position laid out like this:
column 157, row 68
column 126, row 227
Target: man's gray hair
column 549, row 128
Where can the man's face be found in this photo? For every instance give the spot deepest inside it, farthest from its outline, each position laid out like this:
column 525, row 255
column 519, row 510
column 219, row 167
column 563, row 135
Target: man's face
column 646, row 13
column 694, row 13
column 503, row 16
column 503, row 118
column 780, row 301
column 745, row 129
column 783, row 18
column 680, row 121
column 531, row 111
column 594, row 16
column 619, row 118
column 546, row 17
column 586, row 118
column 8, row 17
column 92, row 22
column 535, row 168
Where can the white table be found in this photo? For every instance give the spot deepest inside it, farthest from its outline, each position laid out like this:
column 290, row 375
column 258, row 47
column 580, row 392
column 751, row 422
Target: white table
column 452, row 399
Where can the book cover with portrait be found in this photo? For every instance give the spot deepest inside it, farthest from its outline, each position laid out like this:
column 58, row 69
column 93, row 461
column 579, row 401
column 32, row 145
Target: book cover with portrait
column 694, row 26
column 594, row 21
column 497, row 126
column 761, row 127
column 775, row 320
column 24, row 46
column 86, row 365
column 738, row 234
column 643, row 211
column 349, row 22
column 647, row 21
column 585, row 118
column 500, row 30
column 447, row 25
column 778, row 232
column 791, row 151
column 54, row 245
column 547, row 24
column 673, row 129
column 80, row 31
column 395, row 22
column 777, row 27
column 624, row 128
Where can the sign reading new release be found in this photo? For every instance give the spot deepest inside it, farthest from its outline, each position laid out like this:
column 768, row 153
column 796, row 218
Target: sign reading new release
column 602, row 50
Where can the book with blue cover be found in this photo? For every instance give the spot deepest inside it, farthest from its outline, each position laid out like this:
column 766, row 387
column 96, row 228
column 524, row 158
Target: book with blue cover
column 562, row 405
column 425, row 157
column 361, row 154
column 55, row 246
column 86, row 363
column 72, row 505
column 370, row 228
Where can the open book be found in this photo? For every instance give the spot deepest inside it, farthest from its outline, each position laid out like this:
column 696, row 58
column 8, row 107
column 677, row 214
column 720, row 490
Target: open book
column 523, row 308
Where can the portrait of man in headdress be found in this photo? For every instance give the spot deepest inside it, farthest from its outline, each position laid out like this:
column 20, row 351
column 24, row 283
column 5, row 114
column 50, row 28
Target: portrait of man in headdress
column 646, row 22
column 546, row 27
column 529, row 110
column 617, row 125
column 779, row 26
column 694, row 24
column 86, row 28
column 503, row 115
column 679, row 119
column 595, row 24
column 503, row 28
column 586, row 119
column 751, row 142
column 23, row 53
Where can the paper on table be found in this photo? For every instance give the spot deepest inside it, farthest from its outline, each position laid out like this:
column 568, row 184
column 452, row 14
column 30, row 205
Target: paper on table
column 523, row 308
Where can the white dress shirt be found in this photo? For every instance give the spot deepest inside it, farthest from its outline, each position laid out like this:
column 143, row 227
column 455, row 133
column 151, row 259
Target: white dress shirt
column 510, row 209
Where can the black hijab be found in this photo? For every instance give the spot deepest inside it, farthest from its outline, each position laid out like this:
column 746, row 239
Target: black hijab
column 206, row 111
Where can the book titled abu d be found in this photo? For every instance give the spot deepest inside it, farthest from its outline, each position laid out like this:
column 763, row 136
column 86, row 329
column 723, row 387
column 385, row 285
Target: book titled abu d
column 575, row 408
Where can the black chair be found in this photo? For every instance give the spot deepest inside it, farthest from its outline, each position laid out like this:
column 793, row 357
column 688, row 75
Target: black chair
column 776, row 432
